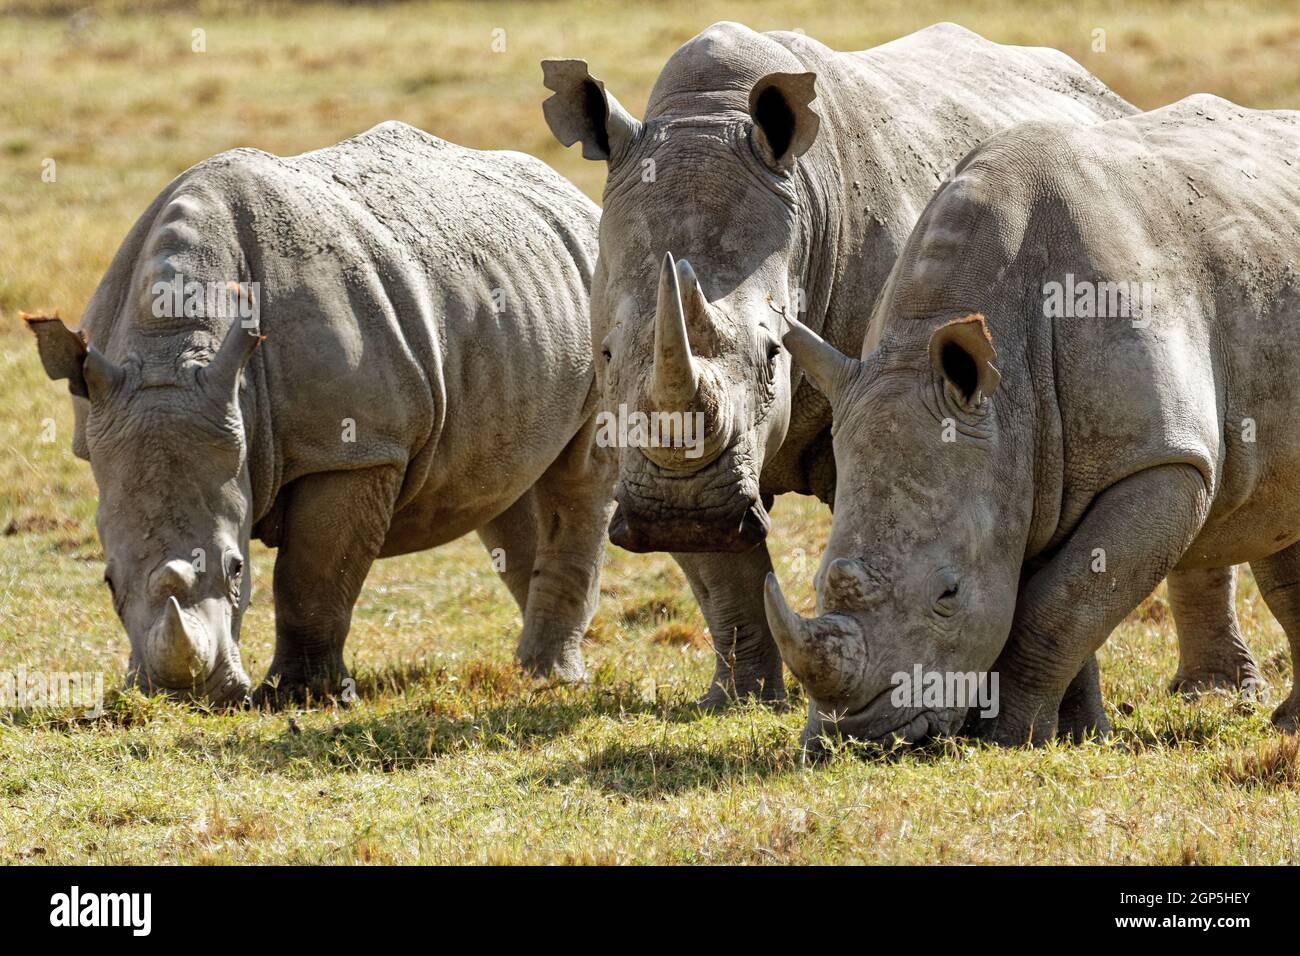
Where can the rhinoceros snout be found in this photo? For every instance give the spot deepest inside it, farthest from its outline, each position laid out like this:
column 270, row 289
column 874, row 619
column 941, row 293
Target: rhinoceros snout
column 637, row 530
column 185, row 656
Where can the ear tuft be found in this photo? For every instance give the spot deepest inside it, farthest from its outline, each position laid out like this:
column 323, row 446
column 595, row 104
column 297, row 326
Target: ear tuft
column 962, row 353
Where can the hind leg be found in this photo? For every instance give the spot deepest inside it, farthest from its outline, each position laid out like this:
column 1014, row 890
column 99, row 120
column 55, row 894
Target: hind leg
column 1278, row 577
column 574, row 501
column 511, row 542
column 1211, row 651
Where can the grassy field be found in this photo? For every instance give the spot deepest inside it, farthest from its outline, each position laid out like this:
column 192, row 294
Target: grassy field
column 451, row 756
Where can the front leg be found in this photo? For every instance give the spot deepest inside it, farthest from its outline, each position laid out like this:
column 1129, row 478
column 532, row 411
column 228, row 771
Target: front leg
column 729, row 589
column 333, row 529
column 1131, row 537
column 1082, row 714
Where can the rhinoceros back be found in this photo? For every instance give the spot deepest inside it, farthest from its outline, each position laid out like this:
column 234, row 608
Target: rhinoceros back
column 413, row 294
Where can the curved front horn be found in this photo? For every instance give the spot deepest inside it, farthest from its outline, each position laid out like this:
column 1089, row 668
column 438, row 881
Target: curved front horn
column 676, row 378
column 828, row 654
column 179, row 655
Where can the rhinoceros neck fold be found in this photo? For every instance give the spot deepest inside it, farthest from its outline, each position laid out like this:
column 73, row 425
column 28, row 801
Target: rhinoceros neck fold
column 264, row 461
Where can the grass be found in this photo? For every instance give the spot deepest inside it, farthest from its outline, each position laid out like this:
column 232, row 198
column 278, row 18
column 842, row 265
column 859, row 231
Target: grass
column 450, row 756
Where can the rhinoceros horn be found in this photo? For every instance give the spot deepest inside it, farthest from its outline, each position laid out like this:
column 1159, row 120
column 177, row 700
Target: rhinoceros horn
column 100, row 374
column 676, row 377
column 179, row 653
column 221, row 376
column 828, row 368
column 827, row 653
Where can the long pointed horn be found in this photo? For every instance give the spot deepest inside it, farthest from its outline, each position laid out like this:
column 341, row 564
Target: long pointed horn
column 180, row 656
column 221, row 376
column 829, row 369
column 827, row 653
column 676, row 379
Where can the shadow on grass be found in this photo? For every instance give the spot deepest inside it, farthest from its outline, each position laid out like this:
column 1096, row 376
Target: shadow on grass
column 639, row 771
column 409, row 735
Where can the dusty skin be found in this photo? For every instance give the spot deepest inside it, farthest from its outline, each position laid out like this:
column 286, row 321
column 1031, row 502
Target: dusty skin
column 784, row 177
column 419, row 366
column 451, row 754
column 1088, row 456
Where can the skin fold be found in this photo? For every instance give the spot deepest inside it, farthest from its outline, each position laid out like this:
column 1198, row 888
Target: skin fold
column 1015, row 481
column 419, row 365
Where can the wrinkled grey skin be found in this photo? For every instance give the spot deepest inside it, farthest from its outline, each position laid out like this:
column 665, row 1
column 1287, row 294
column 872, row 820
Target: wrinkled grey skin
column 776, row 167
column 381, row 263
column 1071, row 437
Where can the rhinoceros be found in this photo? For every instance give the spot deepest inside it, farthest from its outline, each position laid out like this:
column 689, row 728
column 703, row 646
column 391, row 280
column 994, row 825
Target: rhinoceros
column 425, row 369
column 1020, row 467
column 787, row 176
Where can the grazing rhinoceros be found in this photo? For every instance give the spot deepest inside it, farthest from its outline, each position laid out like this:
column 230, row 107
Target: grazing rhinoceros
column 782, row 205
column 426, row 370
column 1019, row 467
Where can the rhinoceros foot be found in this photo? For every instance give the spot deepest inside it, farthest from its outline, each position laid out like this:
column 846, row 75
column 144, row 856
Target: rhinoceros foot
column 765, row 685
column 1246, row 682
column 1081, row 715
column 545, row 660
column 286, row 689
column 1287, row 716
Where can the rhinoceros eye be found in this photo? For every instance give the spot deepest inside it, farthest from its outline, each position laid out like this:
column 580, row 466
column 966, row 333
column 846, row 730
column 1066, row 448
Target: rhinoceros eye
column 947, row 603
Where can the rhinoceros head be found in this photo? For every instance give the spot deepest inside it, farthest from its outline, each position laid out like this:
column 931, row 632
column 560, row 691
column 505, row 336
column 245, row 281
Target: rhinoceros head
column 167, row 449
column 918, row 583
column 701, row 252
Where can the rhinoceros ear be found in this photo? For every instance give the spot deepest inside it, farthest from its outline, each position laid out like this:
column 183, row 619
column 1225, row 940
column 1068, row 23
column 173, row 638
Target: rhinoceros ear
column 961, row 352
column 581, row 110
column 785, row 125
column 63, row 351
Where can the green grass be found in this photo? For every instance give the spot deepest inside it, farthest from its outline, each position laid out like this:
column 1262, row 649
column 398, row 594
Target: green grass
column 451, row 756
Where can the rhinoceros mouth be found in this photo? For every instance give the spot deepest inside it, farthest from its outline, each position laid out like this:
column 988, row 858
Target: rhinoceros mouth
column 227, row 684
column 909, row 728
column 636, row 531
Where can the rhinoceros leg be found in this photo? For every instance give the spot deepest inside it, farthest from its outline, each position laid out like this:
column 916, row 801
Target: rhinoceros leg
column 1082, row 714
column 729, row 589
column 511, row 541
column 574, row 501
column 1279, row 583
column 1067, row 610
column 333, row 528
column 1211, row 650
